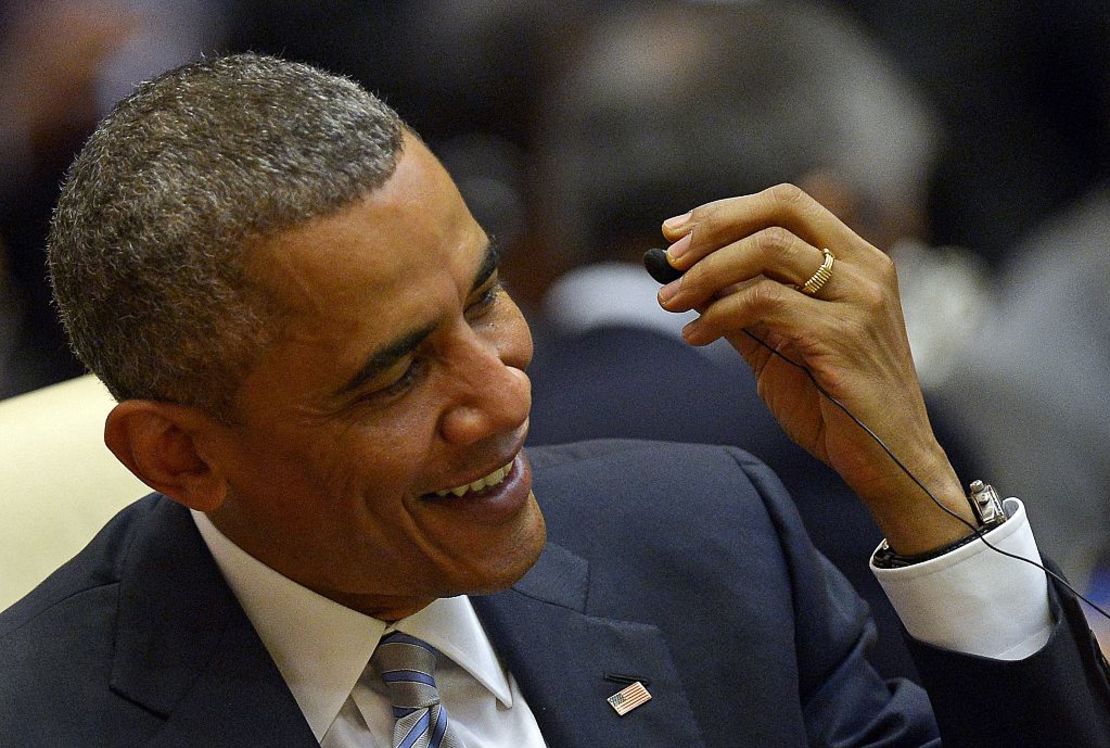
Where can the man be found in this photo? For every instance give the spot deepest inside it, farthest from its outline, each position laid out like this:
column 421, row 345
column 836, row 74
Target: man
column 312, row 354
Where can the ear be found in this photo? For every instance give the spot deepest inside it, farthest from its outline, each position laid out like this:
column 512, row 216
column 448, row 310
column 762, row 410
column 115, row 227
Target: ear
column 164, row 446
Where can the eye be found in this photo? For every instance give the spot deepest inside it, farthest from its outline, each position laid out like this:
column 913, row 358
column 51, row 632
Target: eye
column 485, row 300
column 398, row 386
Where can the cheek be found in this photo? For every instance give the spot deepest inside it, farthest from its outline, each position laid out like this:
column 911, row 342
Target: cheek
column 382, row 453
column 305, row 469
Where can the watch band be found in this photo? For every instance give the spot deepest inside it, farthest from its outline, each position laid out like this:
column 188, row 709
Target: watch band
column 989, row 513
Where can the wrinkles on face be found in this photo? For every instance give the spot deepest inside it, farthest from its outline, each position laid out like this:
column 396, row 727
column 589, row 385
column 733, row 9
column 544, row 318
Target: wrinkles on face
column 331, row 476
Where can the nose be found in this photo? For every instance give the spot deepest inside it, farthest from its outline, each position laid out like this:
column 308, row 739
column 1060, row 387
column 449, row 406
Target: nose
column 493, row 394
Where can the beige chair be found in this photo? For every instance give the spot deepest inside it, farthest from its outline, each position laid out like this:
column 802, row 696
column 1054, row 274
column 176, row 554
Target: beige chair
column 59, row 484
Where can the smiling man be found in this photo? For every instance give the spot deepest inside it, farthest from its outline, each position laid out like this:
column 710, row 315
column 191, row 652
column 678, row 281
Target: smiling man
column 322, row 379
column 381, row 428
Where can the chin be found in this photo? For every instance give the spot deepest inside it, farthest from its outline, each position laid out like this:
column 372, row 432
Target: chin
column 507, row 568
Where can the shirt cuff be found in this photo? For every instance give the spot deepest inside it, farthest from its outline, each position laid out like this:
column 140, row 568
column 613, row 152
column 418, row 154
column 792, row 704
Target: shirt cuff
column 973, row 600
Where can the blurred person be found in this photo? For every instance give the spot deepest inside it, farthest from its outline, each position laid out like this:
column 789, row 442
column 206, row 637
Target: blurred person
column 318, row 370
column 65, row 63
column 1032, row 392
column 621, row 116
column 50, row 57
column 667, row 105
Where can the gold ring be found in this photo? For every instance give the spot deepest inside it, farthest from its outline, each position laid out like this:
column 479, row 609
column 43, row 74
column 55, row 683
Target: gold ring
column 818, row 280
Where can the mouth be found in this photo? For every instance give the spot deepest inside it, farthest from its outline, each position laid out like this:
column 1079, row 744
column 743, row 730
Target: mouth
column 497, row 498
column 484, row 483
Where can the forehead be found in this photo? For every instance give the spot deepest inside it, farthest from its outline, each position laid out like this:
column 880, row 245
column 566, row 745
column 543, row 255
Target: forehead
column 415, row 215
column 413, row 223
column 355, row 280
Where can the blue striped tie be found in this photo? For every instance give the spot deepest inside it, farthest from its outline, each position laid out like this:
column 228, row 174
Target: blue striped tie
column 408, row 666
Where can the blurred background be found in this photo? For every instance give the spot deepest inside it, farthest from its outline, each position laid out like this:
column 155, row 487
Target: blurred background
column 970, row 139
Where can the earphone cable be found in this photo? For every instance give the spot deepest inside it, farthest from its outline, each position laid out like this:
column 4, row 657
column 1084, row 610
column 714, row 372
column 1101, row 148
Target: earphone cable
column 979, row 533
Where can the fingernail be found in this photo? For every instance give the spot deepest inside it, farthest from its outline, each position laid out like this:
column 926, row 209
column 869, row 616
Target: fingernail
column 690, row 333
column 667, row 292
column 677, row 221
column 679, row 248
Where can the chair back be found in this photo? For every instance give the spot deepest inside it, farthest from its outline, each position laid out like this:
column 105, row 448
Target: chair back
column 59, row 484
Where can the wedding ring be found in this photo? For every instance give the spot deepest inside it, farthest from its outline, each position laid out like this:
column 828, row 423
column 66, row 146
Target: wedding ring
column 818, row 280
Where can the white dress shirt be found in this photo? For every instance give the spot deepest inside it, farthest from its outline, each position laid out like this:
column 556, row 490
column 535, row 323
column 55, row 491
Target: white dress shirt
column 974, row 600
column 321, row 649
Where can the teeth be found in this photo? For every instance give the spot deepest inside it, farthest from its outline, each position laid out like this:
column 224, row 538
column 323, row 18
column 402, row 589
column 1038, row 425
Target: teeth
column 492, row 479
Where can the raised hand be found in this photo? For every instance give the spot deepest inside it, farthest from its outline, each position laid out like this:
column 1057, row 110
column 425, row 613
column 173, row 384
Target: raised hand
column 747, row 263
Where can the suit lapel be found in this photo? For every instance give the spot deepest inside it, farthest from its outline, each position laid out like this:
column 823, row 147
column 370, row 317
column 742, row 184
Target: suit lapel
column 186, row 651
column 560, row 657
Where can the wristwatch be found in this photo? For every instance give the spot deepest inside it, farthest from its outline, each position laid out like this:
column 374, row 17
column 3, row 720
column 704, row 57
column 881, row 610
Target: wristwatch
column 986, row 505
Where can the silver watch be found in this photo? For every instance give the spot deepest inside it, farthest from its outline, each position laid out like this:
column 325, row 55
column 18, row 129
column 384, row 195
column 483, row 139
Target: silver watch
column 986, row 504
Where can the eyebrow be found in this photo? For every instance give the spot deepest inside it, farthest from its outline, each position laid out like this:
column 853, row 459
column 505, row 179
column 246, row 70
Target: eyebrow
column 390, row 354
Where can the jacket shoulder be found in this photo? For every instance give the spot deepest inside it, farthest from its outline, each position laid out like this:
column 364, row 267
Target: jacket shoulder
column 96, row 567
column 617, row 471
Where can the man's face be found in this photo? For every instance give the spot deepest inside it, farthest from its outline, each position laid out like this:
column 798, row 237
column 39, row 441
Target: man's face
column 398, row 380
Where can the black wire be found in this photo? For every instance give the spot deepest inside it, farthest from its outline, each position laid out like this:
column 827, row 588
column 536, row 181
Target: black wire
column 979, row 532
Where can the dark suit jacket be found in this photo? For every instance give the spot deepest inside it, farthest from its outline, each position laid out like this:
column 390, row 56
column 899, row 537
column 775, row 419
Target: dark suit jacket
column 683, row 566
column 632, row 382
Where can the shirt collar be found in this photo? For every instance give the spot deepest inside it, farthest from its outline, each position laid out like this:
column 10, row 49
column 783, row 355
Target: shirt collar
column 321, row 647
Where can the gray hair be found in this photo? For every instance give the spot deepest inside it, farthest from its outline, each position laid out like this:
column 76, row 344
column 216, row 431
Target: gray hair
column 670, row 105
column 147, row 251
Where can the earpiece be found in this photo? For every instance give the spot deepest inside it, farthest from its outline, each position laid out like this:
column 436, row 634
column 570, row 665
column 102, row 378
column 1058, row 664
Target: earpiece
column 655, row 260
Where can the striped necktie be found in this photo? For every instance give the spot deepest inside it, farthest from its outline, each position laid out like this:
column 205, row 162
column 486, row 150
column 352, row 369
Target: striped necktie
column 408, row 666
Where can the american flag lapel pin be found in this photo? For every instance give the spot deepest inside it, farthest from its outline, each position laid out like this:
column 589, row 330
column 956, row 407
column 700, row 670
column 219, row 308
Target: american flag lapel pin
column 628, row 698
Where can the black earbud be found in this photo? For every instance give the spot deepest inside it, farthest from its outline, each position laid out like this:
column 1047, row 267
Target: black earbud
column 655, row 261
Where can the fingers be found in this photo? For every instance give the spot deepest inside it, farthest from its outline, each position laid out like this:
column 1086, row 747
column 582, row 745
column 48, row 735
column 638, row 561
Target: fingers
column 717, row 224
column 856, row 301
column 760, row 302
column 773, row 253
column 778, row 234
column 747, row 258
